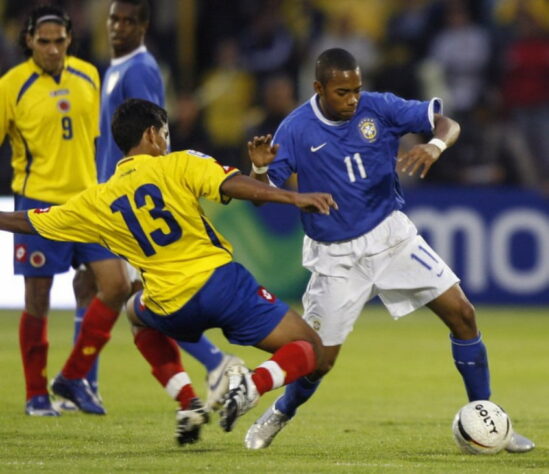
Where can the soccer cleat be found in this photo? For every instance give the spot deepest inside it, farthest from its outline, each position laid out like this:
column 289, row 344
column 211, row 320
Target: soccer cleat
column 241, row 397
column 79, row 392
column 189, row 422
column 218, row 381
column 40, row 405
column 62, row 405
column 263, row 431
column 519, row 444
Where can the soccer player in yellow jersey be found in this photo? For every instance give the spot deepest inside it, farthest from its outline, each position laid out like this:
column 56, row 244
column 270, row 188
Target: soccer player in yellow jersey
column 49, row 109
column 149, row 213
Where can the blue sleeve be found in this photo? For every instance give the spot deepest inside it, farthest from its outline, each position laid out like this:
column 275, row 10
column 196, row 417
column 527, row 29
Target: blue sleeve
column 285, row 162
column 143, row 81
column 409, row 116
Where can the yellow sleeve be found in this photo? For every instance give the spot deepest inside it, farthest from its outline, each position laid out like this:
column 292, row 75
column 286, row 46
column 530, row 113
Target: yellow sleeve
column 204, row 175
column 70, row 222
column 6, row 107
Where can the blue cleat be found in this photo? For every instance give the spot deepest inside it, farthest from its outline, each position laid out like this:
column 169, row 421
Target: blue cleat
column 79, row 392
column 40, row 405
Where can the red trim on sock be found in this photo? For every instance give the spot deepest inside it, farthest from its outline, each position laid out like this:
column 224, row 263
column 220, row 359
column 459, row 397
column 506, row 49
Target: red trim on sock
column 296, row 359
column 33, row 343
column 262, row 380
column 186, row 394
column 94, row 334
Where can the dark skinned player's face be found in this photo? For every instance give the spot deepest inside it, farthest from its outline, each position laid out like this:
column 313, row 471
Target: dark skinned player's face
column 339, row 96
column 126, row 32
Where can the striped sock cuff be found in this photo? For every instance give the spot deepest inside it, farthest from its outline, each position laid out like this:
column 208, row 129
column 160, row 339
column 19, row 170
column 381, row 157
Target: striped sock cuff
column 176, row 383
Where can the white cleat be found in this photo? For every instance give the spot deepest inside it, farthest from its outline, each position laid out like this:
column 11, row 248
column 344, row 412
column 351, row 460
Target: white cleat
column 218, row 381
column 263, row 431
column 241, row 397
column 519, row 444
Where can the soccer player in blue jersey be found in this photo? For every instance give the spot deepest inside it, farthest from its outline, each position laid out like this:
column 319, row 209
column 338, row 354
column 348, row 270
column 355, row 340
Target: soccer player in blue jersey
column 134, row 73
column 49, row 108
column 149, row 212
column 344, row 141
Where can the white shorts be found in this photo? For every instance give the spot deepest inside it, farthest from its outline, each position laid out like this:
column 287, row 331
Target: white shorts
column 391, row 261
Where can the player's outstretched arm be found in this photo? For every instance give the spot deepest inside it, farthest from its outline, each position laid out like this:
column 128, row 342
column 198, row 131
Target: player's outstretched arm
column 244, row 187
column 261, row 152
column 421, row 157
column 16, row 222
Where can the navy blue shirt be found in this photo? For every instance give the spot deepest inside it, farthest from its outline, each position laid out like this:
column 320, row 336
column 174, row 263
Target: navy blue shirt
column 354, row 160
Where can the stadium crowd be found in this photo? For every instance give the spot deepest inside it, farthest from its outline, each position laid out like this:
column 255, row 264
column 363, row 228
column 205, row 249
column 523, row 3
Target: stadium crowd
column 235, row 69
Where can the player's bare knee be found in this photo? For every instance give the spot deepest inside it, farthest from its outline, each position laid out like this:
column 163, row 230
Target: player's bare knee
column 117, row 292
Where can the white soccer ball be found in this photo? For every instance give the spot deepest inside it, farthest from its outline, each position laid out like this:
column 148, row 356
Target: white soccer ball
column 482, row 427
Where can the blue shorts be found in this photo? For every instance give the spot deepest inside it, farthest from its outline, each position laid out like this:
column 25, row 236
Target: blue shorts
column 35, row 256
column 231, row 300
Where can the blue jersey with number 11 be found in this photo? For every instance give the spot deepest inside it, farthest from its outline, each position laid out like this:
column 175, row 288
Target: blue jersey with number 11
column 354, row 160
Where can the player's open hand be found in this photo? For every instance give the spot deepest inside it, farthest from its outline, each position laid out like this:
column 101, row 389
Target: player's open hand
column 315, row 202
column 419, row 159
column 261, row 150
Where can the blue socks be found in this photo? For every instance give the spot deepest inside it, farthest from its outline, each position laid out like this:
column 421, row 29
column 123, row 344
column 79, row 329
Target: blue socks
column 296, row 394
column 472, row 363
column 209, row 355
column 92, row 374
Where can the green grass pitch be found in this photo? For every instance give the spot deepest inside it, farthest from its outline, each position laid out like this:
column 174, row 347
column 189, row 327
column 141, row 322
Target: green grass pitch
column 386, row 407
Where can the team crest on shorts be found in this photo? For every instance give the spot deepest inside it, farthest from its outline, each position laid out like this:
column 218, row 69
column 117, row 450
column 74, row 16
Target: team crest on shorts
column 21, row 253
column 266, row 295
column 368, row 129
column 314, row 322
column 37, row 259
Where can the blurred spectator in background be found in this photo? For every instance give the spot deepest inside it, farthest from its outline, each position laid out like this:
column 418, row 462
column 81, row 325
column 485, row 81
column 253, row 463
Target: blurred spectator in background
column 525, row 88
column 342, row 33
column 461, row 51
column 187, row 126
column 267, row 47
column 226, row 94
column 278, row 100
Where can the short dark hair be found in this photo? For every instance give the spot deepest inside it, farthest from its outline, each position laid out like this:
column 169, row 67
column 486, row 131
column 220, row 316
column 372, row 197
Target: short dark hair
column 39, row 15
column 132, row 118
column 337, row 59
column 144, row 14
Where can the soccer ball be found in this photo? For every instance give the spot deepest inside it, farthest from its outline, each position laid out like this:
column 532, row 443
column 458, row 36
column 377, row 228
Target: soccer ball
column 482, row 427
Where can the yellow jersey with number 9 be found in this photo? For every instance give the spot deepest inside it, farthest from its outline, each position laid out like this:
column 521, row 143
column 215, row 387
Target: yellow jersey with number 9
column 52, row 123
column 149, row 213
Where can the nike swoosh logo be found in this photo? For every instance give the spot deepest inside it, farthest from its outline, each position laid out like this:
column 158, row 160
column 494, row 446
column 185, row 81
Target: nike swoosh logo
column 316, row 148
column 440, row 274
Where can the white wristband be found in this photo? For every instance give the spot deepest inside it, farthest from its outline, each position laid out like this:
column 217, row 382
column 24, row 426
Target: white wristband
column 260, row 169
column 438, row 143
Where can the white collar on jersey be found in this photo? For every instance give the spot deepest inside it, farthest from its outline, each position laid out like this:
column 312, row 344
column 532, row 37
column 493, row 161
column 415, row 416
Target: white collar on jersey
column 122, row 59
column 320, row 116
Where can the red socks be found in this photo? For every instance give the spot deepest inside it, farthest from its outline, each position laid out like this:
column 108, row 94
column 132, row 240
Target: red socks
column 162, row 353
column 287, row 364
column 94, row 334
column 34, row 352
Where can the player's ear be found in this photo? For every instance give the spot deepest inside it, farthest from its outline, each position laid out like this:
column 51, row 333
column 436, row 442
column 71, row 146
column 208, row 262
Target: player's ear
column 318, row 87
column 28, row 40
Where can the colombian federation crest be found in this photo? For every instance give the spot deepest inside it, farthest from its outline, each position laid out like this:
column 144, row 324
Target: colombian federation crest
column 368, row 129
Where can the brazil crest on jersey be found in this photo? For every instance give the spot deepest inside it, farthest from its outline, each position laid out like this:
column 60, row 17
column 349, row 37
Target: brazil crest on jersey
column 354, row 160
column 149, row 213
column 136, row 76
column 52, row 124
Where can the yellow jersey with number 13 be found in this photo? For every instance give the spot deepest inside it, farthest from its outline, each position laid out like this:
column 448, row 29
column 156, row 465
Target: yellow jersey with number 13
column 52, row 123
column 149, row 213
